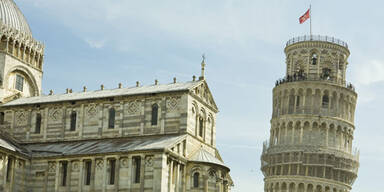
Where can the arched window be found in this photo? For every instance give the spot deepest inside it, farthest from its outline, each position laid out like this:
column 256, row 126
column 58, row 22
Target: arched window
column 325, row 101
column 196, row 180
column 155, row 111
column 38, row 123
column 137, row 169
column 201, row 126
column 112, row 171
column 326, row 73
column 314, row 59
column 111, row 118
column 73, row 121
column 19, row 82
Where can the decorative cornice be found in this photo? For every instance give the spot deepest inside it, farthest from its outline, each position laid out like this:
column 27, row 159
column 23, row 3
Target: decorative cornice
column 27, row 40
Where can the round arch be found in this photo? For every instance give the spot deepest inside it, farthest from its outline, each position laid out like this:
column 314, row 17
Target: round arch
column 28, row 75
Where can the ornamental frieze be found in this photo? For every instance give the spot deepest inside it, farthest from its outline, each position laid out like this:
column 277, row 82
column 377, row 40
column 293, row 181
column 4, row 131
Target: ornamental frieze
column 149, row 161
column 91, row 110
column 21, row 118
column 99, row 164
column 133, row 107
column 173, row 103
column 55, row 114
column 51, row 167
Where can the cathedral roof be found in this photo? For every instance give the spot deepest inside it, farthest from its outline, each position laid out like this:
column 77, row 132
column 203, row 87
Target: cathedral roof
column 11, row 16
column 7, row 142
column 203, row 156
column 102, row 146
column 150, row 89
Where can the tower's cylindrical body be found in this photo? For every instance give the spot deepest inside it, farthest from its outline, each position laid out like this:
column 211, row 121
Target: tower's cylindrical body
column 312, row 125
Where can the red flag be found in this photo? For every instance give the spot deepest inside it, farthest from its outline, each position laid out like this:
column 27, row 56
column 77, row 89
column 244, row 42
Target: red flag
column 306, row 16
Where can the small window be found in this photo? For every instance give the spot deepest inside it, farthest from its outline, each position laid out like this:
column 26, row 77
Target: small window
column 111, row 119
column 341, row 64
column 38, row 123
column 155, row 110
column 201, row 126
column 73, row 121
column 2, row 118
column 64, row 169
column 314, row 59
column 112, row 164
column 136, row 169
column 297, row 101
column 19, row 83
column 325, row 101
column 88, row 170
column 196, row 177
column 9, row 169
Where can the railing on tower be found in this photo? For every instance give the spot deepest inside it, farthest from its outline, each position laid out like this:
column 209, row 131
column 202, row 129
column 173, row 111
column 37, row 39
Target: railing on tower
column 294, row 78
column 354, row 154
column 317, row 38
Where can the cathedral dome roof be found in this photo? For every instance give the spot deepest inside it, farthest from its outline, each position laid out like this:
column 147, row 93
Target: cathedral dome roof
column 11, row 16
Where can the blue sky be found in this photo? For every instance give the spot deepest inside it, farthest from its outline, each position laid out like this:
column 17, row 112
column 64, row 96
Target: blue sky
column 94, row 42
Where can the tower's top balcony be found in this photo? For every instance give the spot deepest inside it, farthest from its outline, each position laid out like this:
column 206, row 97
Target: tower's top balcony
column 316, row 56
column 317, row 38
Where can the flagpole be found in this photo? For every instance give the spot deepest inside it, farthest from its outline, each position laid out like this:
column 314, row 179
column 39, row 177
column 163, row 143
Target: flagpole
column 310, row 21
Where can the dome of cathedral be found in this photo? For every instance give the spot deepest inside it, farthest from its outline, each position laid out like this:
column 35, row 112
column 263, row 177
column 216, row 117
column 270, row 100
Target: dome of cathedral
column 11, row 16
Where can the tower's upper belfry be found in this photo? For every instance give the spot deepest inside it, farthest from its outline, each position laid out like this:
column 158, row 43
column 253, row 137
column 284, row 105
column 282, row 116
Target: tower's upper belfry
column 317, row 57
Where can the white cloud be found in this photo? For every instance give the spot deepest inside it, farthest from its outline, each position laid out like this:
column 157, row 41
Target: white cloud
column 370, row 72
column 97, row 44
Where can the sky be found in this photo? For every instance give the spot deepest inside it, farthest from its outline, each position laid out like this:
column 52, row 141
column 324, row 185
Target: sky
column 94, row 42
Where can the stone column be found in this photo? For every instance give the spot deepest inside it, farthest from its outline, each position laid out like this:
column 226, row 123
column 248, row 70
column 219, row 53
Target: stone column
column 81, row 175
column 45, row 124
column 301, row 133
column 170, row 175
column 295, row 102
column 69, row 173
column 57, row 181
column 177, row 177
column 121, row 124
column 205, row 177
column 293, row 134
column 81, row 120
column 326, row 136
column 104, row 174
column 162, row 115
column 5, row 167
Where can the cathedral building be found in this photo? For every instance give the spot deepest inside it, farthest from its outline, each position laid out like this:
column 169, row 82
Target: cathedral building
column 310, row 146
column 159, row 137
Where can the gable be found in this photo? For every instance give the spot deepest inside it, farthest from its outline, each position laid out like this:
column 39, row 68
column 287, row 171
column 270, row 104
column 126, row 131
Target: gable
column 202, row 92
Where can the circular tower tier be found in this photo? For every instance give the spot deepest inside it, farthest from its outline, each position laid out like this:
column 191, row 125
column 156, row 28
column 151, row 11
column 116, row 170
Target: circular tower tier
column 310, row 146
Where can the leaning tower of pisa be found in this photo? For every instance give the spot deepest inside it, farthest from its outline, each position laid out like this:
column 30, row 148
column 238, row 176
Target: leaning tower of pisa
column 310, row 146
